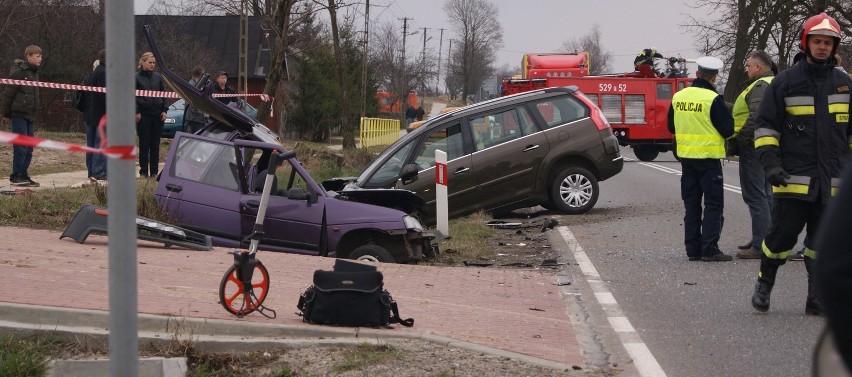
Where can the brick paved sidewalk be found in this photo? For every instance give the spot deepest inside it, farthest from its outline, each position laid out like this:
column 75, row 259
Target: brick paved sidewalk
column 515, row 310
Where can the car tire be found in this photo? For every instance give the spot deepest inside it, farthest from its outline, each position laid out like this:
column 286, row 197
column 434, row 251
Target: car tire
column 574, row 190
column 372, row 253
column 646, row 152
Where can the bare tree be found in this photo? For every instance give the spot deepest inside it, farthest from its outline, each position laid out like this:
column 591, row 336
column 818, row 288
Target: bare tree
column 478, row 36
column 600, row 60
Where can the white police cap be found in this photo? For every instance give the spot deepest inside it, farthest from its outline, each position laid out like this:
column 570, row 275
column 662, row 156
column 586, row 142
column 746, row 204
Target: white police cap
column 709, row 64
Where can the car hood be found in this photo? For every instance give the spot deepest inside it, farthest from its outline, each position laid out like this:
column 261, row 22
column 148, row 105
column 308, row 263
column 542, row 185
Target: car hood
column 203, row 100
column 403, row 200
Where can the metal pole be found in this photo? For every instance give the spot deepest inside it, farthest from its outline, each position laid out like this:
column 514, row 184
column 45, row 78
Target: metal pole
column 242, row 76
column 438, row 75
column 121, row 222
column 364, row 68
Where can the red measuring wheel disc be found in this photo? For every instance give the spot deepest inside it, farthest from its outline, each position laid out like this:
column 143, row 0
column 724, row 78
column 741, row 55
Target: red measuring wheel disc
column 231, row 294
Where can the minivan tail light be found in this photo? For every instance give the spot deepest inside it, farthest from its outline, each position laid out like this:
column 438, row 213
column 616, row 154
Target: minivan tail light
column 597, row 115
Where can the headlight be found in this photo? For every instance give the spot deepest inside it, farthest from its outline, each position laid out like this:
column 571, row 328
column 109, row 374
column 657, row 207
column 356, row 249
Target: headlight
column 170, row 120
column 412, row 223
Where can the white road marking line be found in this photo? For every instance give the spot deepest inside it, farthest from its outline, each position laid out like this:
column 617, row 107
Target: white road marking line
column 666, row 169
column 621, row 324
column 644, row 360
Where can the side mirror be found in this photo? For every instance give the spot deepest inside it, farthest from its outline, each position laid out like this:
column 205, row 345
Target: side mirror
column 408, row 173
column 297, row 194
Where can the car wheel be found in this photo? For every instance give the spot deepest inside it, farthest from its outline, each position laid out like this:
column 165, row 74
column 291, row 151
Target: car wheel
column 646, row 153
column 574, row 190
column 372, row 253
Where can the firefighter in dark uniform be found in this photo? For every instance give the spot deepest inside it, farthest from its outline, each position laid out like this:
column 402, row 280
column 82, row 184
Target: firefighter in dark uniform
column 647, row 56
column 701, row 121
column 803, row 140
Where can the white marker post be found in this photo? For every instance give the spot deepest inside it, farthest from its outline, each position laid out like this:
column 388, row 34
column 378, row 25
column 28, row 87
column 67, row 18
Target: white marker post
column 441, row 213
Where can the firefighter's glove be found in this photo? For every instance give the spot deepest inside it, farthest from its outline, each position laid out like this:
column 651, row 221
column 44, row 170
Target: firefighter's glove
column 776, row 176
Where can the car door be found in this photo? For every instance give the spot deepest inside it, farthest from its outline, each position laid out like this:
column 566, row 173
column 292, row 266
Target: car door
column 292, row 225
column 200, row 186
column 447, row 137
column 508, row 150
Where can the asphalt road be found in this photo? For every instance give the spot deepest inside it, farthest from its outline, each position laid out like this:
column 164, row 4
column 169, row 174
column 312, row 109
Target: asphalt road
column 695, row 317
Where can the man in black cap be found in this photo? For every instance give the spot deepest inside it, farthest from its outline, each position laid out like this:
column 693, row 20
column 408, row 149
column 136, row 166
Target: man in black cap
column 222, row 87
column 701, row 122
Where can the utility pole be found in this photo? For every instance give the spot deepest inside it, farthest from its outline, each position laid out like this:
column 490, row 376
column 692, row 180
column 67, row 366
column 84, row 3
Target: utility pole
column 449, row 58
column 403, row 85
column 242, row 76
column 423, row 67
column 364, row 68
column 438, row 75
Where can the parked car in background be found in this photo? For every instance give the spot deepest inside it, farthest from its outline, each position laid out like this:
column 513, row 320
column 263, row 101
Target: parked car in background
column 211, row 183
column 175, row 120
column 549, row 147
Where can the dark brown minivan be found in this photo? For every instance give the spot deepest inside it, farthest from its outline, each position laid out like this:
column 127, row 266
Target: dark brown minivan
column 549, row 147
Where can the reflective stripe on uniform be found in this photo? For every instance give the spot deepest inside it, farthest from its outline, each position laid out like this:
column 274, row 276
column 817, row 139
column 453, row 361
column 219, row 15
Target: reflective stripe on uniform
column 769, row 254
column 810, row 253
column 835, row 186
column 796, row 184
column 801, row 105
column 767, row 136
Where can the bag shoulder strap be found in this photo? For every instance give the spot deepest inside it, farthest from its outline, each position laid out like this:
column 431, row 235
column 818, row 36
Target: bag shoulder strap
column 395, row 318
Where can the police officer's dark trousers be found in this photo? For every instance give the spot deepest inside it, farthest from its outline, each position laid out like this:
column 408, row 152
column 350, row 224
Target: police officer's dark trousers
column 789, row 217
column 702, row 179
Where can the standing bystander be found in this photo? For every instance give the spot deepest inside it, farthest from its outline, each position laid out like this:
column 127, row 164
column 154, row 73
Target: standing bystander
column 222, row 87
column 193, row 117
column 19, row 106
column 701, row 121
column 757, row 193
column 150, row 115
column 803, row 140
column 95, row 109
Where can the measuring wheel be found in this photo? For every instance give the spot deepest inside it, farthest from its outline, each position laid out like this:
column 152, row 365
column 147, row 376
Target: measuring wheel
column 235, row 298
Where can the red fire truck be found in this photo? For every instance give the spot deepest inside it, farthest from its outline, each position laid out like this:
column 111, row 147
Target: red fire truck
column 636, row 104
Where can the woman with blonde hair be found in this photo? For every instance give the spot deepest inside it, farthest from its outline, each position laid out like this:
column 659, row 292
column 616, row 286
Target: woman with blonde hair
column 150, row 115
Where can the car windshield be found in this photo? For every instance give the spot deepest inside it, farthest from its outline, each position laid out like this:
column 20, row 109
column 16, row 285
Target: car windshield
column 376, row 164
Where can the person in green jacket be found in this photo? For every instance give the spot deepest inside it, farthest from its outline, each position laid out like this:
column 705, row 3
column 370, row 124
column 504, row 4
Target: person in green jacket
column 757, row 193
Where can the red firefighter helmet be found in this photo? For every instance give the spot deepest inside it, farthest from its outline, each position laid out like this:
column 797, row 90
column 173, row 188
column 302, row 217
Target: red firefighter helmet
column 821, row 24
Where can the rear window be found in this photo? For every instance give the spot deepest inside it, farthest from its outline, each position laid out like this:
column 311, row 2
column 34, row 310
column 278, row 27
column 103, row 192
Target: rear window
column 560, row 110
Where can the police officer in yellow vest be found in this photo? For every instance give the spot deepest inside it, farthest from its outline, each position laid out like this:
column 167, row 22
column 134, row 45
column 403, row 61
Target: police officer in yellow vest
column 803, row 138
column 757, row 193
column 701, row 122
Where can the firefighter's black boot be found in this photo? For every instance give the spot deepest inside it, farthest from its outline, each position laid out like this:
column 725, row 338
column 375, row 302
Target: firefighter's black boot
column 812, row 304
column 765, row 282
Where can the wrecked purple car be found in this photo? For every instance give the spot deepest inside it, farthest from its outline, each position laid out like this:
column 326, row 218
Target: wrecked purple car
column 212, row 181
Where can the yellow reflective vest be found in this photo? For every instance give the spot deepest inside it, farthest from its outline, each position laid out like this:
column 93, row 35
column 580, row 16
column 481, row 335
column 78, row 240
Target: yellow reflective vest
column 741, row 111
column 694, row 132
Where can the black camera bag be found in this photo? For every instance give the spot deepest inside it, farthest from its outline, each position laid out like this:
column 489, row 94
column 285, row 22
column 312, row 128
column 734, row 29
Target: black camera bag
column 349, row 298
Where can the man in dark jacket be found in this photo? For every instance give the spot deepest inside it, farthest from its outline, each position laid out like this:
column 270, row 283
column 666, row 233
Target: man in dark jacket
column 19, row 106
column 222, row 87
column 803, row 140
column 757, row 193
column 96, row 163
column 701, row 121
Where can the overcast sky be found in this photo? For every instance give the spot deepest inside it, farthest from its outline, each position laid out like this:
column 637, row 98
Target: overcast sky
column 543, row 25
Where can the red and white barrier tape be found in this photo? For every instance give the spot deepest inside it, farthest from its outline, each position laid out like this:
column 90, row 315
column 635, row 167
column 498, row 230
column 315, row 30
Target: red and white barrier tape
column 139, row 92
column 122, row 152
